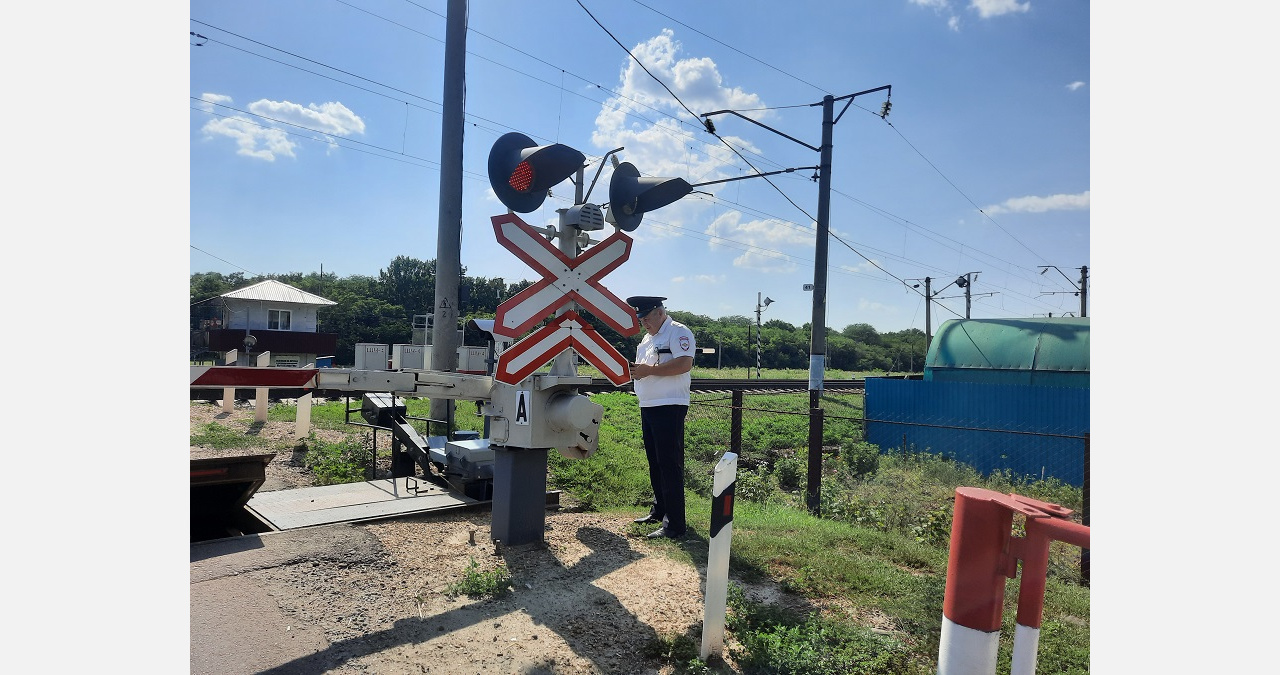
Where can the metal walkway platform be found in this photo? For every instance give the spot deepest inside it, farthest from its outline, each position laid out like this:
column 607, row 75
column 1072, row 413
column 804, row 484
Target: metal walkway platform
column 304, row 507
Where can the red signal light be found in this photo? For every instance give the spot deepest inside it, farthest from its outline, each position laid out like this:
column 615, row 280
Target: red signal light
column 522, row 178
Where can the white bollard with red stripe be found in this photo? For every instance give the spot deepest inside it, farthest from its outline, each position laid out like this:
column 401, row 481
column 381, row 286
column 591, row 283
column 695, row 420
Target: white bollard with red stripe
column 724, row 478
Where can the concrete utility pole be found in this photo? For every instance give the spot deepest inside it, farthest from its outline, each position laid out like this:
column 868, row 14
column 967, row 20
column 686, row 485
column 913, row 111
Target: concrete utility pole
column 928, row 317
column 1082, row 288
column 818, row 323
column 968, row 297
column 445, row 339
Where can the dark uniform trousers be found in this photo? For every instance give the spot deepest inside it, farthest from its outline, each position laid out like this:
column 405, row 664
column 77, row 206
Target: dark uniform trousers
column 662, row 428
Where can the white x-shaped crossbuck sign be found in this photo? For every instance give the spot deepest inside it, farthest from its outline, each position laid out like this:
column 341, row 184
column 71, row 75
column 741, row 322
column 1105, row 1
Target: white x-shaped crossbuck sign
column 565, row 331
column 564, row 279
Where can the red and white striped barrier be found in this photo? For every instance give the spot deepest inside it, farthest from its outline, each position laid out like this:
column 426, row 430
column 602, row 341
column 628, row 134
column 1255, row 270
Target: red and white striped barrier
column 261, row 378
column 252, row 377
column 983, row 554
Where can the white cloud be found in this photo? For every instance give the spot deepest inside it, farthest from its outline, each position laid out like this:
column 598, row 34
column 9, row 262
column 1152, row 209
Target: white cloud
column 985, row 9
column 252, row 139
column 259, row 140
column 989, row 8
column 1075, row 85
column 207, row 101
column 656, row 144
column 759, row 241
column 941, row 8
column 700, row 279
column 862, row 267
column 1040, row 204
column 329, row 118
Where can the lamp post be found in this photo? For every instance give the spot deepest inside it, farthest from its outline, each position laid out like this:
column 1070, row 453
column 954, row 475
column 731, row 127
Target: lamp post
column 249, row 342
column 760, row 308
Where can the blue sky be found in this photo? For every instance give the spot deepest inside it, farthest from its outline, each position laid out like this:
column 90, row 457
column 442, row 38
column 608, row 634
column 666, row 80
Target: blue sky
column 315, row 141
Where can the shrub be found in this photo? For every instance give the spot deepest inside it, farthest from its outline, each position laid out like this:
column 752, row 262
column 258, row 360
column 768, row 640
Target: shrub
column 790, row 472
column 862, row 458
column 934, row 527
column 697, row 479
column 753, row 486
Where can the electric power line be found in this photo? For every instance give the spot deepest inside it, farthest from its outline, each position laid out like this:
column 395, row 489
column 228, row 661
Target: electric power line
column 617, row 96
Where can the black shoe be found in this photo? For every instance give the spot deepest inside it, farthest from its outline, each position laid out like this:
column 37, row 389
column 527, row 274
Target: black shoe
column 664, row 532
column 648, row 519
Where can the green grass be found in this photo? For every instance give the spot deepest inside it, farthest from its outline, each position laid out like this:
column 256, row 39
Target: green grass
column 881, row 545
column 221, row 437
column 880, row 549
column 780, row 642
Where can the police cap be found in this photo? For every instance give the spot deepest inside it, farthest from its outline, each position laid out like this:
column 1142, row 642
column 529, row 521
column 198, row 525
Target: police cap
column 644, row 304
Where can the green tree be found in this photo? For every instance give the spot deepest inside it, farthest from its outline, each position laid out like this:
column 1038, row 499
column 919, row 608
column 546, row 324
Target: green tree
column 863, row 333
column 205, row 285
column 409, row 283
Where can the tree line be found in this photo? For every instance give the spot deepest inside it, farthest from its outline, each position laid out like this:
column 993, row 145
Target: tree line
column 380, row 309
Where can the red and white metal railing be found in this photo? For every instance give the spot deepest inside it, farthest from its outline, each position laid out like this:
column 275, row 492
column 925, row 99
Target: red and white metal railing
column 983, row 554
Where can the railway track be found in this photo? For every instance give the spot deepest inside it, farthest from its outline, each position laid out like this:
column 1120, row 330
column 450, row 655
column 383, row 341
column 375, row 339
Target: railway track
column 597, row 386
column 752, row 385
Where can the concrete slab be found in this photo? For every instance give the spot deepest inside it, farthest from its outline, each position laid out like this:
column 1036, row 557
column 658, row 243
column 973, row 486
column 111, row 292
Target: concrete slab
column 237, row 626
column 386, row 498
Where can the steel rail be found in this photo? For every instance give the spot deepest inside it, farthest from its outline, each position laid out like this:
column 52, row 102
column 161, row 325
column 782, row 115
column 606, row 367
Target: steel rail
column 597, row 386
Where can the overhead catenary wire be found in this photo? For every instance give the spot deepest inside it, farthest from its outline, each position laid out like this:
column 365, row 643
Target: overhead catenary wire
column 498, row 123
column 709, row 127
column 709, row 37
column 614, row 94
column 620, row 97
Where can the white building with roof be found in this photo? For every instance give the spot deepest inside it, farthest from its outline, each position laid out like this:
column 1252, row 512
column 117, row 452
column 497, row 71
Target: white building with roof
column 273, row 316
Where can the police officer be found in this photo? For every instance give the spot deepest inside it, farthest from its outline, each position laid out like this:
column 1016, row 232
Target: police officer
column 661, row 378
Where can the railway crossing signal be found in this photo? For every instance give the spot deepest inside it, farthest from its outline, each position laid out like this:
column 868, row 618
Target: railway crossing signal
column 632, row 195
column 521, row 171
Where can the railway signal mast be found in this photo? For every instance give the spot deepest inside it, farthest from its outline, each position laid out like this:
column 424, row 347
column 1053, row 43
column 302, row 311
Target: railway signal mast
column 520, row 173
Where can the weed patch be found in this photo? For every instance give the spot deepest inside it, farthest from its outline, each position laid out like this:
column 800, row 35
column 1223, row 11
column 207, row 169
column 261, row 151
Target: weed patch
column 778, row 642
column 337, row 463
column 220, row 437
column 477, row 583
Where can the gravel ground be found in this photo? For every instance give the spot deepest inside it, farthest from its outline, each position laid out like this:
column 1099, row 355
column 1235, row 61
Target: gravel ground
column 594, row 597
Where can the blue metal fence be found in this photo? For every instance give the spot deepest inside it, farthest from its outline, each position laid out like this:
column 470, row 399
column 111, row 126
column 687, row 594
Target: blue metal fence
column 1029, row 430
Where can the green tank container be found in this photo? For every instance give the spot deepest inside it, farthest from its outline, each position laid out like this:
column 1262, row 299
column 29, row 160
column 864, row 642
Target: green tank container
column 1051, row 352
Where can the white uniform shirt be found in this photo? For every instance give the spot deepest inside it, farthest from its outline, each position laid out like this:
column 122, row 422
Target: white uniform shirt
column 672, row 341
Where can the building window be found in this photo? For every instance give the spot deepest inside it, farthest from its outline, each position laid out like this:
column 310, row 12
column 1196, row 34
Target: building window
column 278, row 319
